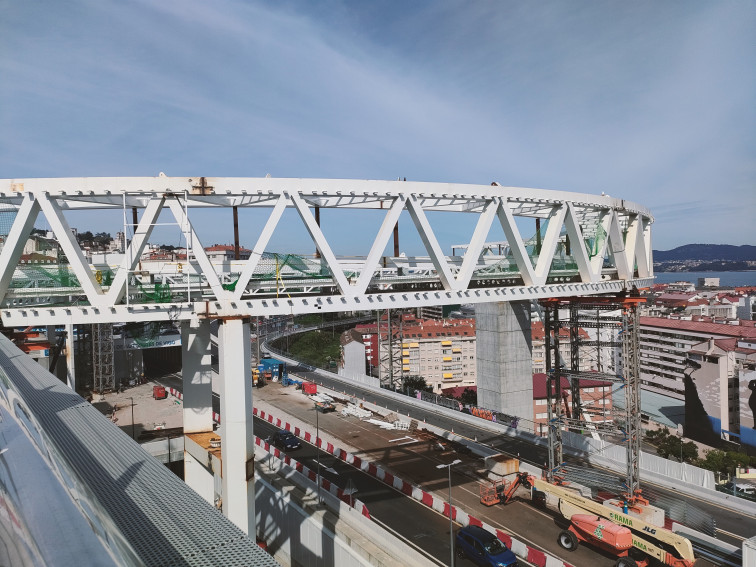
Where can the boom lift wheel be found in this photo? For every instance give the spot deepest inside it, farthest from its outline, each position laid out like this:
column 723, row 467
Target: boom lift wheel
column 625, row 562
column 569, row 541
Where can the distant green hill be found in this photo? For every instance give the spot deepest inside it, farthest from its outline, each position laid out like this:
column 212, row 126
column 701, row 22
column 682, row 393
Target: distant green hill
column 707, row 252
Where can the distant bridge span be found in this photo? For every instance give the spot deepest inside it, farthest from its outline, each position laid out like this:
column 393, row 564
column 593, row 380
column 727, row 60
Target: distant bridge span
column 588, row 245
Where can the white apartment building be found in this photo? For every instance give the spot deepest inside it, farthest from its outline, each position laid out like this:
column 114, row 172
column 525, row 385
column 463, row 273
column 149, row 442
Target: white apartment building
column 440, row 351
column 665, row 343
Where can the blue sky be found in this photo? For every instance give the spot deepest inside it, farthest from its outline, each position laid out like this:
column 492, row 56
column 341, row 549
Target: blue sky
column 648, row 101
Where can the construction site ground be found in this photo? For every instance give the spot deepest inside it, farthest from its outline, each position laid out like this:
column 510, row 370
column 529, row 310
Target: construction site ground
column 412, row 456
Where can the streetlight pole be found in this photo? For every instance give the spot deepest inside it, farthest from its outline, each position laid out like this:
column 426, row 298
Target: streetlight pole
column 451, row 524
column 317, row 446
column 132, row 418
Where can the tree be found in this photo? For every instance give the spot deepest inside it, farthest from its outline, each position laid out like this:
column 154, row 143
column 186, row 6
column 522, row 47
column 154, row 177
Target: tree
column 724, row 462
column 102, row 239
column 657, row 435
column 672, row 446
column 85, row 237
column 469, row 397
column 415, row 383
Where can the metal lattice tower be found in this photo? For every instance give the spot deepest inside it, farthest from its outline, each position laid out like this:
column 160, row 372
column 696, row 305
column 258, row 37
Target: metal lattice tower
column 632, row 398
column 592, row 312
column 553, row 392
column 577, row 409
column 389, row 350
column 102, row 356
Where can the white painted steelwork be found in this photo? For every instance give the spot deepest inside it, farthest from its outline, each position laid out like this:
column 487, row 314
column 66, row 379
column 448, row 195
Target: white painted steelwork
column 353, row 284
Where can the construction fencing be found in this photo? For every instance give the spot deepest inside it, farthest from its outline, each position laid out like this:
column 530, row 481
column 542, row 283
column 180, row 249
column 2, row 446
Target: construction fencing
column 614, row 457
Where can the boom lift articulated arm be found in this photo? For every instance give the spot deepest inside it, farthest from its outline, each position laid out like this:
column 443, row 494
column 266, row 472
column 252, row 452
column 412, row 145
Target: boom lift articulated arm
column 653, row 541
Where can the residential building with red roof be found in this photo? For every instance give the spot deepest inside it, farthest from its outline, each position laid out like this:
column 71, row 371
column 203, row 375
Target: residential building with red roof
column 226, row 252
column 440, row 351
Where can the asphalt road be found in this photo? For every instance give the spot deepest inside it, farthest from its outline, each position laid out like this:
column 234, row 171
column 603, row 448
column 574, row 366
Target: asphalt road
column 732, row 525
column 416, row 461
column 420, row 527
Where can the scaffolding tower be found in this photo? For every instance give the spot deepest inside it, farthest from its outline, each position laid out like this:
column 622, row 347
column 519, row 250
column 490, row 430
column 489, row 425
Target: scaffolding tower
column 618, row 317
column 102, row 357
column 390, row 372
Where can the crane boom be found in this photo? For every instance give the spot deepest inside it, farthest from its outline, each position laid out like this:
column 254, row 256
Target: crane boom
column 571, row 503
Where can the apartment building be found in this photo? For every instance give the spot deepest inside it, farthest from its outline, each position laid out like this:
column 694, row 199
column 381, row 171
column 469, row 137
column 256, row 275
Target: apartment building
column 226, row 252
column 665, row 342
column 442, row 352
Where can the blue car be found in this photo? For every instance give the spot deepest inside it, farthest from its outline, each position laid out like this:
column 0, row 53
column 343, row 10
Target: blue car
column 285, row 440
column 483, row 548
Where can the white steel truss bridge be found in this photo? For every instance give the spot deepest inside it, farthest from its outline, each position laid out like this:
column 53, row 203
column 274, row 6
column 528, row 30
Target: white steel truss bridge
column 583, row 245
column 588, row 244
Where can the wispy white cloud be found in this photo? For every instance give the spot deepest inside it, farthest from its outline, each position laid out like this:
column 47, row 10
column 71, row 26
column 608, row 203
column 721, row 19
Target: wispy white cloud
column 651, row 102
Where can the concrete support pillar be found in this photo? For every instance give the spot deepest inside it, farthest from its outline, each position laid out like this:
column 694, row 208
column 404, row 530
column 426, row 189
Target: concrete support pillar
column 505, row 358
column 197, row 376
column 238, row 441
column 196, row 365
column 70, row 357
column 199, row 478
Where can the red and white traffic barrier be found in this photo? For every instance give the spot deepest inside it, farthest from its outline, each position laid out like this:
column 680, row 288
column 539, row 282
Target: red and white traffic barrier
column 521, row 549
column 532, row 555
column 331, row 487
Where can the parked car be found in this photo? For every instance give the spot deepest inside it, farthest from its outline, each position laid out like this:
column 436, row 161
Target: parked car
column 740, row 488
column 286, row 440
column 483, row 548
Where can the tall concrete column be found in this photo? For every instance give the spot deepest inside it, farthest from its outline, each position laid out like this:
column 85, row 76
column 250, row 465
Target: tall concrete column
column 197, row 376
column 196, row 370
column 70, row 357
column 237, row 438
column 504, row 351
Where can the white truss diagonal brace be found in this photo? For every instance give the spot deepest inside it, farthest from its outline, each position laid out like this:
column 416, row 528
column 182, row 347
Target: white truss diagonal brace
column 199, row 252
column 321, row 244
column 133, row 254
column 506, row 219
column 379, row 245
column 76, row 259
column 485, row 220
column 262, row 242
column 636, row 246
column 578, row 251
column 617, row 248
column 548, row 247
column 597, row 262
column 14, row 243
column 431, row 244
